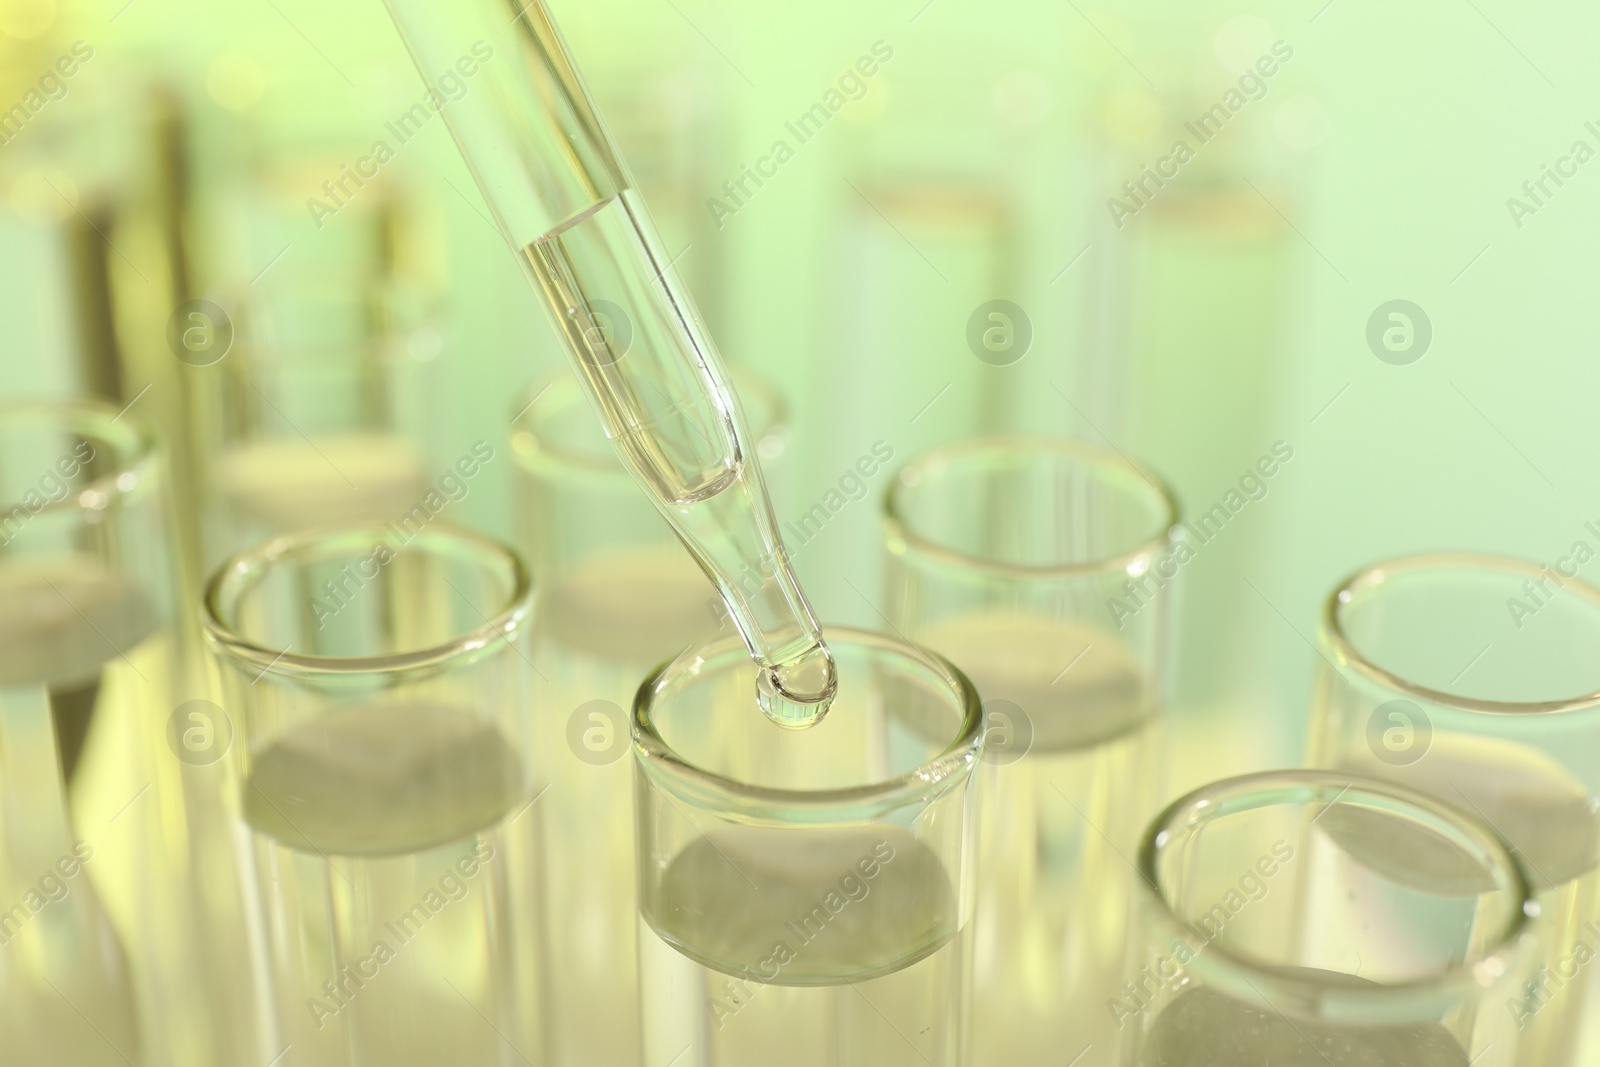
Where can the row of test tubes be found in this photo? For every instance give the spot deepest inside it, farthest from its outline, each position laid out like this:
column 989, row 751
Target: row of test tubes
column 429, row 797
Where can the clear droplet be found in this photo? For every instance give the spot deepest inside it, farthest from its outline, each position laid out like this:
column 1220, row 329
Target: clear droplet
column 797, row 693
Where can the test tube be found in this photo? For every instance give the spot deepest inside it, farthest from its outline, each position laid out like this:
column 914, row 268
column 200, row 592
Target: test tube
column 379, row 685
column 1270, row 932
column 1043, row 568
column 1474, row 679
column 804, row 895
column 563, row 198
column 99, row 907
column 618, row 597
column 309, row 422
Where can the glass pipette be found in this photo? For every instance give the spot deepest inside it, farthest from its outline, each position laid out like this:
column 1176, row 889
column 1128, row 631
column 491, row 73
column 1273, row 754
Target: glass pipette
column 561, row 195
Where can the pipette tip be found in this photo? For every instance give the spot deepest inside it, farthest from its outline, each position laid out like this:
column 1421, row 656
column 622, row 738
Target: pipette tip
column 796, row 694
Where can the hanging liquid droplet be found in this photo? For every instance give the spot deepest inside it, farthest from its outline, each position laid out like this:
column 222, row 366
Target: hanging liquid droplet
column 797, row 693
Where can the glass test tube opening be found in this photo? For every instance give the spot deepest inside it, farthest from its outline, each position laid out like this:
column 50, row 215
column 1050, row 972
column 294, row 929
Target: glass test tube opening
column 83, row 507
column 1473, row 678
column 1302, row 918
column 1042, row 567
column 1008, row 552
column 380, row 695
column 1526, row 630
column 804, row 894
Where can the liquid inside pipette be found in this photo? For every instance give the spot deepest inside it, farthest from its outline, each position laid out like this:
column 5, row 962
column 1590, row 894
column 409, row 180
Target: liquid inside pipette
column 560, row 191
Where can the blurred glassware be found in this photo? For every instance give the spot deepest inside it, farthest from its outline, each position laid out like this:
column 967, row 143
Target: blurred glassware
column 1201, row 280
column 805, row 894
column 1043, row 568
column 1474, row 679
column 306, row 392
column 1309, row 919
column 83, row 187
column 1189, row 306
column 114, row 865
column 379, row 686
column 312, row 420
column 618, row 595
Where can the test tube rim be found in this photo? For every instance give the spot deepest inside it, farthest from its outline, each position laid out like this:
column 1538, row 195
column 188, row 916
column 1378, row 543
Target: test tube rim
column 139, row 452
column 240, row 571
column 1372, row 577
column 900, row 531
column 1414, row 1000
column 951, row 768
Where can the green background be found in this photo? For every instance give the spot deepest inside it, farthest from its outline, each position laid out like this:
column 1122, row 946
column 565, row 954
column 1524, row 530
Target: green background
column 1228, row 314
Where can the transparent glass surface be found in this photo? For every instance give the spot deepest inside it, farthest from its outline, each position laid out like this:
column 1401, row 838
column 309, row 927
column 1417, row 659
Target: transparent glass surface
column 309, row 420
column 805, row 895
column 1310, row 919
column 105, row 879
column 1042, row 568
column 615, row 581
column 561, row 195
column 1473, row 678
column 380, row 687
column 618, row 595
